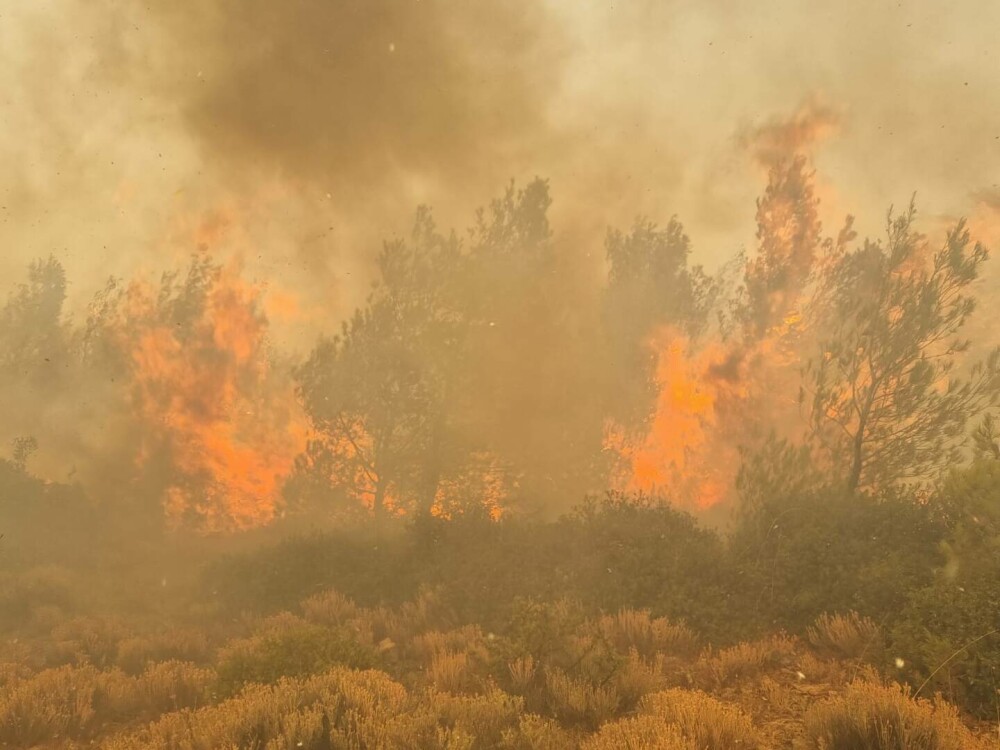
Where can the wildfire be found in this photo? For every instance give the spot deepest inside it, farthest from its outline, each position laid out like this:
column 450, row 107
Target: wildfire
column 709, row 400
column 218, row 423
column 679, row 454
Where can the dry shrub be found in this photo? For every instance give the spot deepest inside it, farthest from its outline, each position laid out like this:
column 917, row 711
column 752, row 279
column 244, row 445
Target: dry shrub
column 636, row 629
column 138, row 652
column 468, row 639
column 11, row 673
column 71, row 702
column 535, row 732
column 77, row 702
column 337, row 709
column 522, row 673
column 330, row 608
column 282, row 622
column 869, row 716
column 639, row 733
column 849, row 636
column 86, row 640
column 639, row 676
column 53, row 703
column 709, row 723
column 425, row 612
column 172, row 685
column 295, row 649
column 449, row 671
column 576, row 700
column 484, row 718
column 45, row 617
column 747, row 660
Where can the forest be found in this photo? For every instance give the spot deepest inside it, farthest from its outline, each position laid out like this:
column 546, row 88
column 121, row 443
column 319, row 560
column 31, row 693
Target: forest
column 507, row 504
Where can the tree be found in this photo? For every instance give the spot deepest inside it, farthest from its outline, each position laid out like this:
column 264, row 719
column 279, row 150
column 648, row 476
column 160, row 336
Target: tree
column 650, row 285
column 378, row 392
column 530, row 374
column 886, row 400
column 789, row 238
column 33, row 334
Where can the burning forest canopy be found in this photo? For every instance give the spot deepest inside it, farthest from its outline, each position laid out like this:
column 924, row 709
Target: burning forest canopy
column 484, row 372
column 522, row 374
column 632, row 320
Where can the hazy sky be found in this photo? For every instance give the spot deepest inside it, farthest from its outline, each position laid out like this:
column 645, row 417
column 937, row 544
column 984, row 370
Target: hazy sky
column 301, row 133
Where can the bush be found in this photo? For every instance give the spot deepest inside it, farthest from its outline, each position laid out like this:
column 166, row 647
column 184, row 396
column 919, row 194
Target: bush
column 24, row 593
column 849, row 636
column 367, row 570
column 296, row 651
column 136, row 653
column 869, row 716
column 707, row 722
column 796, row 558
column 337, row 709
column 634, row 552
column 639, row 733
column 636, row 629
column 947, row 636
column 78, row 702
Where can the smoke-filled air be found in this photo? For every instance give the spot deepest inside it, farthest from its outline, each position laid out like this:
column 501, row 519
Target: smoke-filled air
column 518, row 374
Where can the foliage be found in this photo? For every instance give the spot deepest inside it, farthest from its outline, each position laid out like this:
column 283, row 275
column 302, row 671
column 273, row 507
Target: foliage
column 796, row 558
column 873, row 717
column 886, row 399
column 296, row 651
column 949, row 631
column 848, row 636
column 650, row 286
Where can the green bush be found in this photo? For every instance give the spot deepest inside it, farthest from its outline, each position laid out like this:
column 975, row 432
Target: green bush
column 295, row 651
column 795, row 558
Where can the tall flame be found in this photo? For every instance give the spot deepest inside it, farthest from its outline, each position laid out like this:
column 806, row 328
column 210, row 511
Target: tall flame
column 679, row 454
column 221, row 422
column 710, row 400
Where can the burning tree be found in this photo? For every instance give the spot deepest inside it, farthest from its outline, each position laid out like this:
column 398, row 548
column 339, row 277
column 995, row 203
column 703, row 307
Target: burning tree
column 377, row 393
column 789, row 237
column 650, row 287
column 216, row 425
column 885, row 399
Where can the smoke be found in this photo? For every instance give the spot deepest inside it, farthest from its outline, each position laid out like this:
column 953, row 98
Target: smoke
column 296, row 136
column 325, row 123
column 783, row 138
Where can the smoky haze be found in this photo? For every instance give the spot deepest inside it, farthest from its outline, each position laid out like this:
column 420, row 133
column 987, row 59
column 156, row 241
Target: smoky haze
column 289, row 141
column 511, row 374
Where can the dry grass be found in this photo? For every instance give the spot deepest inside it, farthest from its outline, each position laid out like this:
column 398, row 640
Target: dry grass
column 450, row 671
column 639, row 733
column 135, row 653
column 709, row 723
column 745, row 661
column 78, row 702
column 869, row 716
column 574, row 700
column 849, row 636
column 330, row 608
column 636, row 629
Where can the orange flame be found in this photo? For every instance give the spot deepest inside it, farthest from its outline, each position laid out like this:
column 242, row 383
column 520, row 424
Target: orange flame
column 678, row 455
column 708, row 401
column 212, row 406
